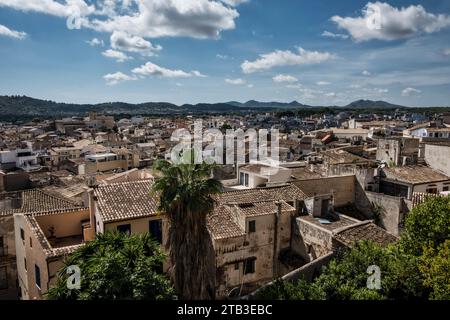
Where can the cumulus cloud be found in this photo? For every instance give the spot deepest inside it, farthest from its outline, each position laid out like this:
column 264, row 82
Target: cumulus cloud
column 151, row 69
column 117, row 55
column 284, row 78
column 330, row 94
column 143, row 18
column 323, row 83
column 125, row 42
column 409, row 92
column 366, row 73
column 381, row 21
column 329, row 34
column 5, row 31
column 116, row 78
column 236, row 82
column 95, row 42
column 162, row 18
column 281, row 58
column 44, row 6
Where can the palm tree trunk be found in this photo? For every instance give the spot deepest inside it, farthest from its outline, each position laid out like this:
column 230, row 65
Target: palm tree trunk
column 192, row 256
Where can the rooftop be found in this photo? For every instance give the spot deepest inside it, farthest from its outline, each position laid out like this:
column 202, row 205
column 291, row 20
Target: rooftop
column 340, row 156
column 38, row 201
column 125, row 200
column 330, row 224
column 414, row 174
column 287, row 193
column 365, row 231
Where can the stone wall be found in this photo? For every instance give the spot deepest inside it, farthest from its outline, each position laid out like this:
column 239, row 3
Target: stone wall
column 342, row 188
column 391, row 210
column 437, row 157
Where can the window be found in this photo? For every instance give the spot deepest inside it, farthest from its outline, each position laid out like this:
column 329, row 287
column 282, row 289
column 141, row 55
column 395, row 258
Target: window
column 236, row 266
column 3, row 278
column 249, row 266
column 37, row 276
column 252, row 226
column 125, row 228
column 155, row 228
column 22, row 234
column 432, row 190
column 445, row 188
column 31, row 243
column 246, row 180
column 25, row 263
column 2, row 249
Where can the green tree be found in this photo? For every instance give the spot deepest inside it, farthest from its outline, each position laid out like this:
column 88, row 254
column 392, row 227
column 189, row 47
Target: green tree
column 345, row 278
column 435, row 266
column 185, row 192
column 427, row 225
column 116, row 266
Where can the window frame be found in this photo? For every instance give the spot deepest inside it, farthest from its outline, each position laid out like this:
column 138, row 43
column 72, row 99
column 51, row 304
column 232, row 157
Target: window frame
column 251, row 226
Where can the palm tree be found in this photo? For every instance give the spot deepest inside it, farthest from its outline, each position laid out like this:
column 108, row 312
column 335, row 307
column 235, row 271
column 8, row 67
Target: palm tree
column 185, row 197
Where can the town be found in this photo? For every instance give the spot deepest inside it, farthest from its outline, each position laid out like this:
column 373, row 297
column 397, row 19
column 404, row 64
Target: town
column 339, row 179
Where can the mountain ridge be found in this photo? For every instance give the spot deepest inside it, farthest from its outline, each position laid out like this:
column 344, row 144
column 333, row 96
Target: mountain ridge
column 27, row 106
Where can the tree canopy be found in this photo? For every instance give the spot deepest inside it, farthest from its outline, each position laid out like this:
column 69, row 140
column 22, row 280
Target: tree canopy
column 418, row 267
column 115, row 266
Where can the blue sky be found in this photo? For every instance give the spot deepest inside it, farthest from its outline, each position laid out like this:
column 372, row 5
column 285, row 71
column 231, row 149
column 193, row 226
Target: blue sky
column 190, row 51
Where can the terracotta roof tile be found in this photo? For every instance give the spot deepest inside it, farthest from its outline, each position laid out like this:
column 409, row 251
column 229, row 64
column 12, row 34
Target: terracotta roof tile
column 365, row 231
column 36, row 201
column 125, row 200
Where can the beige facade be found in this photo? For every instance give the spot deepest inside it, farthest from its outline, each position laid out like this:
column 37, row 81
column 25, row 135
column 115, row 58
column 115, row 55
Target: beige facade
column 42, row 241
column 64, row 153
column 121, row 160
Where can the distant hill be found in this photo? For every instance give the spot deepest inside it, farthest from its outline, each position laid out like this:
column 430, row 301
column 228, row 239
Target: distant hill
column 272, row 105
column 23, row 107
column 369, row 104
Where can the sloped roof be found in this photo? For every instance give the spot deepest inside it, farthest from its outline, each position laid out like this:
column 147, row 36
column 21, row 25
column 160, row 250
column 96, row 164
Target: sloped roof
column 38, row 201
column 414, row 174
column 287, row 193
column 125, row 200
column 365, row 231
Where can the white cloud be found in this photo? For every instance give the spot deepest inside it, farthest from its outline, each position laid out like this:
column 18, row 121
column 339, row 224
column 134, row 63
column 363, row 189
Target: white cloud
column 250, row 86
column 95, row 42
column 5, row 31
column 446, row 52
column 366, row 73
column 234, row 3
column 294, row 86
column 116, row 78
column 284, row 78
column 331, row 94
column 143, row 18
column 354, row 86
column 151, row 69
column 323, row 83
column 117, row 55
column 163, row 18
column 236, row 82
column 196, row 73
column 285, row 58
column 125, row 42
column 409, row 92
column 222, row 56
column 329, row 34
column 381, row 21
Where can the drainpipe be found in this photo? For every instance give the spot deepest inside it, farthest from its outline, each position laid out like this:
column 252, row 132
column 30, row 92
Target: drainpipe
column 275, row 240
